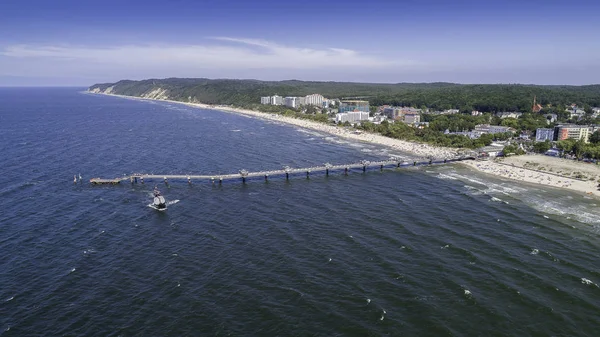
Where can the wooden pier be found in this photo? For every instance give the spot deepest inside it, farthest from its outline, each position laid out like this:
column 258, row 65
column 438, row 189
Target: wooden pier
column 286, row 171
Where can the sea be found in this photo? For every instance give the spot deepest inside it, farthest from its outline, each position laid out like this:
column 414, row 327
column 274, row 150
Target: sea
column 417, row 251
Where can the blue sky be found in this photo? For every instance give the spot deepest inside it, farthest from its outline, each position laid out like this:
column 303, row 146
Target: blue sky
column 64, row 42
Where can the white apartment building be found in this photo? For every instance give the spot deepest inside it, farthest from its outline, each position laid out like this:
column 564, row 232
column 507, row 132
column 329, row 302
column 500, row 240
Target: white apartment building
column 352, row 116
column 276, row 100
column 292, row 102
column 315, row 99
column 265, row 100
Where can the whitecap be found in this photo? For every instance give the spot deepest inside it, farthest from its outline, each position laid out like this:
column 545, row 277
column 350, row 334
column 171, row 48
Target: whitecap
column 534, row 252
column 446, row 246
column 10, row 299
column 445, row 176
column 467, row 292
column 588, row 281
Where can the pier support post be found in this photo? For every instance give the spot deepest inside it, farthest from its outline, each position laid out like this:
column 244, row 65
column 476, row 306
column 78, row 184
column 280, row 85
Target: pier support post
column 327, row 172
column 142, row 179
column 189, row 180
column 346, row 171
column 131, row 180
column 135, row 179
column 444, row 161
column 381, row 168
column 430, row 161
column 398, row 164
column 212, row 180
column 220, row 180
column 415, row 163
column 243, row 180
column 307, row 174
column 266, row 177
column 166, row 181
column 364, row 168
column 287, row 176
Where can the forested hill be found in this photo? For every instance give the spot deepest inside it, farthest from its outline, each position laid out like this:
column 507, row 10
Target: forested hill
column 466, row 97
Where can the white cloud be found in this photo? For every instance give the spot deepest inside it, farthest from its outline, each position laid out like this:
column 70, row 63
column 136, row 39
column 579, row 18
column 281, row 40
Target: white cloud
column 224, row 52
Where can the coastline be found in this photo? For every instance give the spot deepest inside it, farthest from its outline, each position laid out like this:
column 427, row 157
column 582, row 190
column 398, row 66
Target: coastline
column 496, row 168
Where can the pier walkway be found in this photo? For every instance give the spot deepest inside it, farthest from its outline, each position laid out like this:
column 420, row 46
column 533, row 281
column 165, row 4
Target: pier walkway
column 287, row 171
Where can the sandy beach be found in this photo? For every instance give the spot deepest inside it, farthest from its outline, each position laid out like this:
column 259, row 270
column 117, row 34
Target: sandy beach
column 543, row 170
column 538, row 169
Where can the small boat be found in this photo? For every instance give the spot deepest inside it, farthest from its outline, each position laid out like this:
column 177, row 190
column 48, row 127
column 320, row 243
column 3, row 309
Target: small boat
column 159, row 203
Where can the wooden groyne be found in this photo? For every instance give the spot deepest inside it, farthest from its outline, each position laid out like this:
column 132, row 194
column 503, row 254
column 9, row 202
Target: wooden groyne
column 286, row 171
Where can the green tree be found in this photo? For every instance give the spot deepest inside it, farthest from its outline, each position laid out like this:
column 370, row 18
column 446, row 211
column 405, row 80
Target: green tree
column 595, row 137
column 542, row 147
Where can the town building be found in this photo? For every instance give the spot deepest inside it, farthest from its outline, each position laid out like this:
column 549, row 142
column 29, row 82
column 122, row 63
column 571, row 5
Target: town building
column 276, row 100
column 542, row 135
column 486, row 128
column 536, row 107
column 504, row 114
column 398, row 113
column 352, row 116
column 352, row 105
column 412, row 118
column 571, row 131
column 291, row 102
column 450, row 112
column 490, row 151
column 575, row 112
column 476, row 113
column 314, row 99
column 265, row 100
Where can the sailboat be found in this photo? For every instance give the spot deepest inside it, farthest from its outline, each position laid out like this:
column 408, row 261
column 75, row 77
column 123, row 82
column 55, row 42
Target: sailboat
column 158, row 203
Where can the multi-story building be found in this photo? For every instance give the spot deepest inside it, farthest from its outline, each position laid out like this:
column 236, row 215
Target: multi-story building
column 542, row 135
column 392, row 112
column 301, row 100
column 570, row 131
column 352, row 116
column 486, row 128
column 276, row 100
column 292, row 102
column 315, row 99
column 346, row 106
column 412, row 118
column 576, row 112
column 265, row 100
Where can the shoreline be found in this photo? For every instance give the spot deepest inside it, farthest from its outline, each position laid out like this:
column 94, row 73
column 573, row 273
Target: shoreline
column 415, row 148
column 491, row 167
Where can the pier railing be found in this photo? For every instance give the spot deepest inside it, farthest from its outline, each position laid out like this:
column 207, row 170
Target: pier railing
column 286, row 171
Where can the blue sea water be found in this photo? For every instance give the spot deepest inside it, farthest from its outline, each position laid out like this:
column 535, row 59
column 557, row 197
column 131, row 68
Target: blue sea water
column 430, row 251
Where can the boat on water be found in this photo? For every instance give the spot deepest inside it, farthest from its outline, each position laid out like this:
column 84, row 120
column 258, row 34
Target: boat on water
column 159, row 203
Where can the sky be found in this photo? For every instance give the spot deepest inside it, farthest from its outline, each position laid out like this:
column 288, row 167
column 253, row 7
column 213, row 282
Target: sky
column 79, row 43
